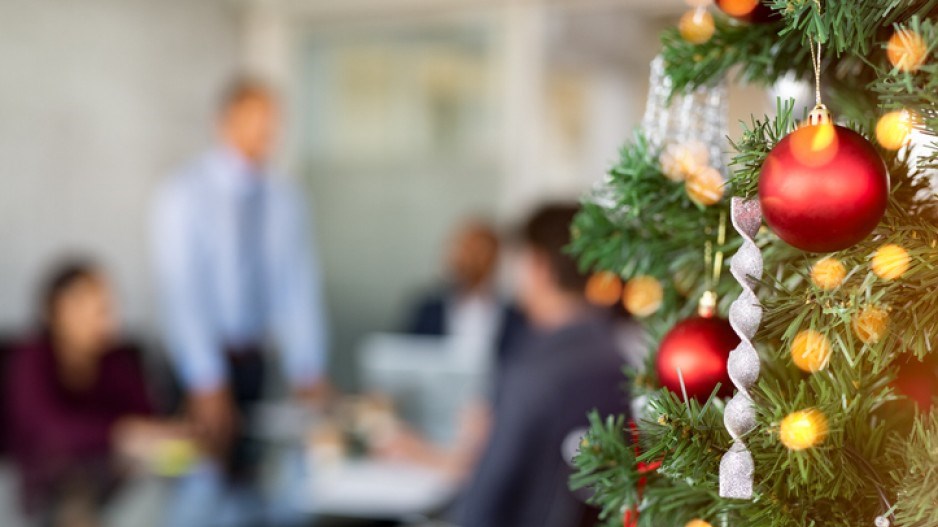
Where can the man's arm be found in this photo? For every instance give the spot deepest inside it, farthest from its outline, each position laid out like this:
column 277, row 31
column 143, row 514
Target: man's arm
column 507, row 461
column 190, row 338
column 298, row 317
column 188, row 330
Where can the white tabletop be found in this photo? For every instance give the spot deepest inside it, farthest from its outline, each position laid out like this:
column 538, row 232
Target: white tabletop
column 377, row 489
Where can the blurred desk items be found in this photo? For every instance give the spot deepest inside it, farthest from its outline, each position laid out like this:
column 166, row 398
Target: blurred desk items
column 338, row 479
column 429, row 379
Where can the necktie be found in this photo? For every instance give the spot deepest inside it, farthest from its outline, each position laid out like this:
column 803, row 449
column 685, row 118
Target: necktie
column 251, row 256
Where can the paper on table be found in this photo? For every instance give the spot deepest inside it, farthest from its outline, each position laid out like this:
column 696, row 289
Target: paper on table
column 377, row 489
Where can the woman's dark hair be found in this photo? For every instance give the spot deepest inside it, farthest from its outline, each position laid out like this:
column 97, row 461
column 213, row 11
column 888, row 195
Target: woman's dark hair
column 548, row 231
column 61, row 276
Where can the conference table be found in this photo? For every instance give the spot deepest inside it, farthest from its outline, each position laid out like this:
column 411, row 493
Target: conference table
column 351, row 486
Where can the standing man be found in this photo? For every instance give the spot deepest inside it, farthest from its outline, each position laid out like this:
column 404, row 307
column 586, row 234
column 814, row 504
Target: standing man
column 235, row 270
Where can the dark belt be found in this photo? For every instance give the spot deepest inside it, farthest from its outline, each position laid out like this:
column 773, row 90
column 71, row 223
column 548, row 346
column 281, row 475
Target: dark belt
column 243, row 352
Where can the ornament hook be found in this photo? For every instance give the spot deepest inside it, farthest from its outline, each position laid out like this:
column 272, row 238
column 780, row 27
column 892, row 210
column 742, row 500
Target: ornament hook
column 820, row 114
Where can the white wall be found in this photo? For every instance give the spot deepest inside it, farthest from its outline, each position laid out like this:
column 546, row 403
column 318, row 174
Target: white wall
column 98, row 100
column 551, row 103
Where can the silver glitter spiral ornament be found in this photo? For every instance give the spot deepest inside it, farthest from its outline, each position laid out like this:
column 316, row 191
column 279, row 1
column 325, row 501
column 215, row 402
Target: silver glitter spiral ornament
column 736, row 467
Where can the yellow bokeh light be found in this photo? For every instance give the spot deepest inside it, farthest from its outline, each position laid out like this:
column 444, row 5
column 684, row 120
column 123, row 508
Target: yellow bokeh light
column 890, row 261
column 828, row 273
column 696, row 26
column 870, row 324
column 803, row 429
column 642, row 295
column 907, row 50
column 894, row 129
column 810, row 351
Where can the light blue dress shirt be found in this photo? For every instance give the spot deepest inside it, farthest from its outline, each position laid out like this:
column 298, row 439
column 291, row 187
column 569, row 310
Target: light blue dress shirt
column 235, row 266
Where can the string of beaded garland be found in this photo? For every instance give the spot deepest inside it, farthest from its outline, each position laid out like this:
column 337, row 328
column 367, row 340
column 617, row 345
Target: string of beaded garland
column 736, row 467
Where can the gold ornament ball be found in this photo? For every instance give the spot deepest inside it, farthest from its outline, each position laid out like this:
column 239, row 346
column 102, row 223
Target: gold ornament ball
column 870, row 324
column 810, row 351
column 891, row 261
column 828, row 273
column 907, row 50
column 705, row 186
column 697, row 522
column 603, row 288
column 696, row 26
column 803, row 429
column 894, row 129
column 678, row 160
column 642, row 295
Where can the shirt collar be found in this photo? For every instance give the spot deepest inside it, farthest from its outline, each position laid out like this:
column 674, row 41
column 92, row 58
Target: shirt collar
column 234, row 172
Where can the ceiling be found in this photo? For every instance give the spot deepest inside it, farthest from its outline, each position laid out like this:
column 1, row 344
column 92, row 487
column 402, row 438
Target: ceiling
column 341, row 9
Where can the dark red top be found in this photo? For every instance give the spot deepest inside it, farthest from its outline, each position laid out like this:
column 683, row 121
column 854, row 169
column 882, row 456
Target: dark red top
column 54, row 429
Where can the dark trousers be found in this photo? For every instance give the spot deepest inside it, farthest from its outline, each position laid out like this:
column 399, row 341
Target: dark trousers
column 246, row 379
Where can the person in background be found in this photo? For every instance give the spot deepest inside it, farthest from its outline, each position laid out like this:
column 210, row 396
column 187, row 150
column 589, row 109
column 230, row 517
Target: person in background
column 235, row 267
column 468, row 306
column 76, row 398
column 485, row 327
column 568, row 365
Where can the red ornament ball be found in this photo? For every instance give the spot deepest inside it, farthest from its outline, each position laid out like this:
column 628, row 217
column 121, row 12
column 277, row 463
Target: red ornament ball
column 753, row 11
column 698, row 347
column 823, row 188
column 918, row 381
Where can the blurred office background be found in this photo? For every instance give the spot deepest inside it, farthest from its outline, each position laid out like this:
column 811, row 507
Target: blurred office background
column 403, row 117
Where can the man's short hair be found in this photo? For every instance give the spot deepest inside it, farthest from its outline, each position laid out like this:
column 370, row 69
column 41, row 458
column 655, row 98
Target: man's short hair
column 547, row 230
column 242, row 88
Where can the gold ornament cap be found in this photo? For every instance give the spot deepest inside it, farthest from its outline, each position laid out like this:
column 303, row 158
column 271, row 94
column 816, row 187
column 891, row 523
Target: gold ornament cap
column 707, row 307
column 820, row 115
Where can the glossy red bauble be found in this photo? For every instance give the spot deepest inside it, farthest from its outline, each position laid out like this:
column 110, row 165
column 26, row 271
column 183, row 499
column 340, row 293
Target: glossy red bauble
column 919, row 382
column 753, row 11
column 823, row 188
column 698, row 347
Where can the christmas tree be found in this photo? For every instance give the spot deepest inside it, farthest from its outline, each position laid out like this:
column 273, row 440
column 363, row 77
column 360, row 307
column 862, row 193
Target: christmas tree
column 800, row 394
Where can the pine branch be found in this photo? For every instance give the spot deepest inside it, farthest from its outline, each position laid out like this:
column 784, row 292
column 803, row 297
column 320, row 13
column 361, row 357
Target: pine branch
column 757, row 50
column 688, row 438
column 607, row 466
column 758, row 140
column 916, row 91
column 653, row 228
column 914, row 461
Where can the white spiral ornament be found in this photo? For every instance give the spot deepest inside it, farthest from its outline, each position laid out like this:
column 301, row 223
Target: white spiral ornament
column 736, row 467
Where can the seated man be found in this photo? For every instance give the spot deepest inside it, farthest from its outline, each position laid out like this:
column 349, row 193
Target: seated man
column 467, row 306
column 74, row 399
column 568, row 365
column 486, row 327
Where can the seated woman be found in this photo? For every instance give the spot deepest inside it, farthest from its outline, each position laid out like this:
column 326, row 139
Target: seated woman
column 74, row 399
